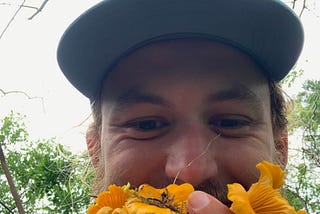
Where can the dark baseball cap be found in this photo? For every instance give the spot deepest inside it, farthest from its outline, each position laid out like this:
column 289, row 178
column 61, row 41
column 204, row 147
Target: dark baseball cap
column 267, row 30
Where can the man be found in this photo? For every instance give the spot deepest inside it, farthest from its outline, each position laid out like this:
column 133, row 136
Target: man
column 184, row 90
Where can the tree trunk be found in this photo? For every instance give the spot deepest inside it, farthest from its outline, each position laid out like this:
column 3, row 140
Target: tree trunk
column 10, row 182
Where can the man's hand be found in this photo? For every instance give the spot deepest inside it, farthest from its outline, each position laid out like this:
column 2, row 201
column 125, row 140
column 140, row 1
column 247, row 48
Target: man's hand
column 203, row 203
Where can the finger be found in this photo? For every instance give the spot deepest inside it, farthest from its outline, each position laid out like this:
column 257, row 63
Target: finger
column 202, row 203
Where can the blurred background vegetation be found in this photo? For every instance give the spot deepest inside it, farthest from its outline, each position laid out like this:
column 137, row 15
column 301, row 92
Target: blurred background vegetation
column 45, row 176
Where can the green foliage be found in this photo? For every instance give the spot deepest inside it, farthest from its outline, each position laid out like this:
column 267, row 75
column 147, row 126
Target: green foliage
column 303, row 186
column 49, row 178
column 292, row 77
column 12, row 129
column 294, row 199
column 306, row 117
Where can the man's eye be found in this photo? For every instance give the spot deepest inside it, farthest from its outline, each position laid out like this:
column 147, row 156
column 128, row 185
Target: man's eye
column 147, row 125
column 229, row 123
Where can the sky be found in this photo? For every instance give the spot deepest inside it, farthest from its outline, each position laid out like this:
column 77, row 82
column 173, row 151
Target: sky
column 28, row 64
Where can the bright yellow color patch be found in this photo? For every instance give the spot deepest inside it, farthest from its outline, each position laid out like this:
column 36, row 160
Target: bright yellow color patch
column 263, row 196
column 147, row 199
column 171, row 199
column 108, row 201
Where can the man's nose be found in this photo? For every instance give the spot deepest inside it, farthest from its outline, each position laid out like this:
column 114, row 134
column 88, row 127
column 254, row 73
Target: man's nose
column 191, row 156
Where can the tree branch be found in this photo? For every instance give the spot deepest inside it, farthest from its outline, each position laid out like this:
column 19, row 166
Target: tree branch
column 12, row 18
column 6, row 207
column 10, row 182
column 23, row 93
column 294, row 4
column 26, row 6
column 39, row 9
column 18, row 92
column 304, row 6
column 16, row 13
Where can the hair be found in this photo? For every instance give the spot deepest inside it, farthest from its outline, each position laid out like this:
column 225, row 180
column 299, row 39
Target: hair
column 279, row 111
column 279, row 106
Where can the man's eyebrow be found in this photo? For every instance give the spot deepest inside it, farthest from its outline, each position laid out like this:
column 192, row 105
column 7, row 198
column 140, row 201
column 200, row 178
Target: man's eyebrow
column 237, row 92
column 137, row 96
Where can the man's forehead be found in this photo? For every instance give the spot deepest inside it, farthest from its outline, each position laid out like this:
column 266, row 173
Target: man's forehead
column 191, row 59
column 232, row 94
column 197, row 54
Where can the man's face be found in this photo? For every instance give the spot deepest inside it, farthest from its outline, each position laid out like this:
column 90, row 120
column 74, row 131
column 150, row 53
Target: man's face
column 164, row 104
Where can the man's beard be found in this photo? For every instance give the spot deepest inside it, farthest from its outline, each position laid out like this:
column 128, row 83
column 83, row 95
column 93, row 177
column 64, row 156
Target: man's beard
column 210, row 186
column 216, row 189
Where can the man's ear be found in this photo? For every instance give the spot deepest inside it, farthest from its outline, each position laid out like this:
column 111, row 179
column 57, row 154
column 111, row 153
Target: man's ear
column 93, row 145
column 282, row 146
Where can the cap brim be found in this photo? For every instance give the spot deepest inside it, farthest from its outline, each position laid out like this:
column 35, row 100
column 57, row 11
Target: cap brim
column 267, row 30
